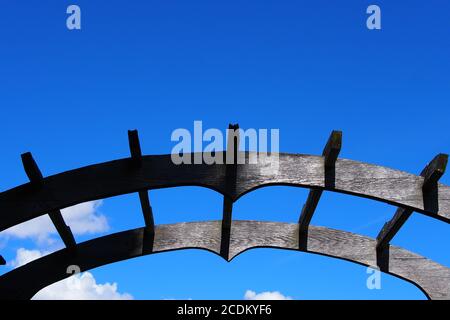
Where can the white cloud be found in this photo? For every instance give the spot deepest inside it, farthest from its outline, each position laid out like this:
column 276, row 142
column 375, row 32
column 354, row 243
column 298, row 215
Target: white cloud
column 23, row 256
column 267, row 295
column 77, row 287
column 82, row 218
column 85, row 219
column 81, row 287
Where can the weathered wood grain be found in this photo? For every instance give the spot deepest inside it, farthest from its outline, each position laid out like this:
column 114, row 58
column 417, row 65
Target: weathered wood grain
column 22, row 283
column 119, row 177
column 432, row 278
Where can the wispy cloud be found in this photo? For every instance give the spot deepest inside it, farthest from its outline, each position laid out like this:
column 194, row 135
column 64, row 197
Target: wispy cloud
column 81, row 287
column 23, row 256
column 266, row 295
column 83, row 218
column 77, row 287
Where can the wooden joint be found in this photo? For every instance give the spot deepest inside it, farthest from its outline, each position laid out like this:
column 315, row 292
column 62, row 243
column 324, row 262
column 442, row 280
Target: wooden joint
column 232, row 151
column 136, row 160
column 431, row 175
column 36, row 178
column 330, row 154
column 391, row 227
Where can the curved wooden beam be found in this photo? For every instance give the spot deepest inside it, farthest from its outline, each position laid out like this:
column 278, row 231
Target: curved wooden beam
column 24, row 282
column 118, row 177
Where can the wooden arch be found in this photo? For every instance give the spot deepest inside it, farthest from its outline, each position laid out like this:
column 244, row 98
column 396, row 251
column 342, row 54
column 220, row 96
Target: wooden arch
column 228, row 238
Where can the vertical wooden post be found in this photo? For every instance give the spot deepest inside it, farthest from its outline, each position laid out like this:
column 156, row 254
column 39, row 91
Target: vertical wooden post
column 230, row 180
column 136, row 161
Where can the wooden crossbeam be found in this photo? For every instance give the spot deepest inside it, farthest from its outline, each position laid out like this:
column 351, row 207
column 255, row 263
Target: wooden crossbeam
column 434, row 171
column 31, row 168
column 34, row 174
column 136, row 158
column 308, row 209
column 135, row 147
column 330, row 154
column 230, row 176
column 147, row 211
column 431, row 175
column 332, row 148
column 2, row 261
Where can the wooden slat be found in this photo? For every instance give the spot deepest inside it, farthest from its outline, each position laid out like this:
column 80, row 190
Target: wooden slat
column 63, row 229
column 391, row 227
column 330, row 154
column 31, row 168
column 431, row 174
column 136, row 157
column 308, row 209
column 226, row 227
column 230, row 180
column 36, row 179
column 434, row 171
column 147, row 211
column 135, row 147
column 21, row 283
column 332, row 148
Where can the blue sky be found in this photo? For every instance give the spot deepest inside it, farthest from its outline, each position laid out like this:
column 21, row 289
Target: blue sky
column 303, row 67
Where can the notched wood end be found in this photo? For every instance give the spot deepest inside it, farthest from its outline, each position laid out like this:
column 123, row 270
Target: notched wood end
column 434, row 170
column 332, row 148
column 31, row 168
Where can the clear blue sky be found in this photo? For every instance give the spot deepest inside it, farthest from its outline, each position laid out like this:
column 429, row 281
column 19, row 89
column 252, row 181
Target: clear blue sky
column 304, row 67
